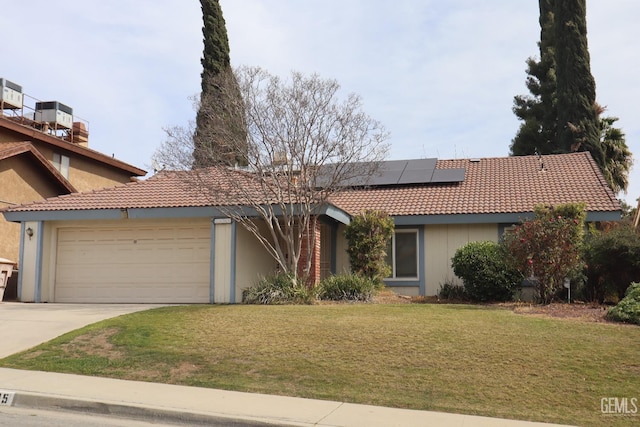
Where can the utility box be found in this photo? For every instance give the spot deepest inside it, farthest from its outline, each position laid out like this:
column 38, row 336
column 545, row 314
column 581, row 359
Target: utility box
column 6, row 269
column 55, row 113
column 11, row 96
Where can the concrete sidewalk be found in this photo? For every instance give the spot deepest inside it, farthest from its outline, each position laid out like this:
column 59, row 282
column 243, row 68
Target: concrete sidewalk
column 202, row 406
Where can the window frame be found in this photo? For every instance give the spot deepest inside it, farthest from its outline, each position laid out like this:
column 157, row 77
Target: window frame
column 61, row 164
column 393, row 276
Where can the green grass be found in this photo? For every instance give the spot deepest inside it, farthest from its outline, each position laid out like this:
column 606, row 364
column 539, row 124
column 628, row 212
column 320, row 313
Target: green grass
column 451, row 358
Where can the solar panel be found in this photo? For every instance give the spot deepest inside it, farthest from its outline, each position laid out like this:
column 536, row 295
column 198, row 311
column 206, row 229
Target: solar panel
column 418, row 171
column 448, row 175
column 404, row 172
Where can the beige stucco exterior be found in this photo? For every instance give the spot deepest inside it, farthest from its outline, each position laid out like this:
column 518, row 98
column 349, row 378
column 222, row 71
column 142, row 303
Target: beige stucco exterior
column 20, row 182
column 253, row 262
column 86, row 174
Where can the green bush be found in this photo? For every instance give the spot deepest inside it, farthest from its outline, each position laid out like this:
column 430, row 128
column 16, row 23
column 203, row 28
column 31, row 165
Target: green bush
column 449, row 291
column 346, row 287
column 485, row 272
column 627, row 310
column 278, row 289
column 613, row 259
column 368, row 235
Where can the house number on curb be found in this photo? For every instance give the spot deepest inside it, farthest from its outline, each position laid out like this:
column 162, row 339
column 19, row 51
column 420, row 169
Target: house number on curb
column 6, row 398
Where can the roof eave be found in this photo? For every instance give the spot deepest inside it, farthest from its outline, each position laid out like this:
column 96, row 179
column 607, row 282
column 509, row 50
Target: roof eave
column 34, row 134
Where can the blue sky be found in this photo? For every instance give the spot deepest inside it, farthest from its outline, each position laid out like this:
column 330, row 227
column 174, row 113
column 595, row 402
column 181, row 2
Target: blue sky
column 440, row 76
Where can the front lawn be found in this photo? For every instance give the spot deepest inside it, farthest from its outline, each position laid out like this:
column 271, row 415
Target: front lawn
column 451, row 358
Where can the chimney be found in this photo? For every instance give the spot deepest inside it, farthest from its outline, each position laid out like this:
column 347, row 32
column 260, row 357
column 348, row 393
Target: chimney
column 80, row 134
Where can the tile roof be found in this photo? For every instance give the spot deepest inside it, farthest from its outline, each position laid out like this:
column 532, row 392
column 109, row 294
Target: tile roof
column 168, row 189
column 494, row 185
column 491, row 185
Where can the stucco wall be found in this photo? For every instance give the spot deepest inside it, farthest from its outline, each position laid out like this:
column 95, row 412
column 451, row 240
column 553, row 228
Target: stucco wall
column 252, row 260
column 15, row 189
column 86, row 174
column 441, row 243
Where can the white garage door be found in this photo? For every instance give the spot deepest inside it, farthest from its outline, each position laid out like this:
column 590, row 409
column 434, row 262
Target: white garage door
column 154, row 264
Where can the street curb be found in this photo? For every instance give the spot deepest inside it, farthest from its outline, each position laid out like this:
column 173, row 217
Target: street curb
column 141, row 413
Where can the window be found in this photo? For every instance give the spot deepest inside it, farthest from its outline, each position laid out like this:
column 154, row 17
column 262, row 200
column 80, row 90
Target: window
column 61, row 163
column 402, row 254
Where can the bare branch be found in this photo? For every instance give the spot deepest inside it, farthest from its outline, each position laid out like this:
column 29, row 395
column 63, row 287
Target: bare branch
column 304, row 143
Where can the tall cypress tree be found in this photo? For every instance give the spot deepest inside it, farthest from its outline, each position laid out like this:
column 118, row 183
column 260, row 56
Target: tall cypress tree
column 220, row 135
column 561, row 114
column 538, row 112
column 578, row 128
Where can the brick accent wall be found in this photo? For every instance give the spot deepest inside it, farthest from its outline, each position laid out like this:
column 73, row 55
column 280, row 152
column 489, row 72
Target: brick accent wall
column 311, row 251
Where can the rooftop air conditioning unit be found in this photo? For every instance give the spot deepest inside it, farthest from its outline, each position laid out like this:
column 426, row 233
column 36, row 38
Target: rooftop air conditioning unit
column 11, row 96
column 54, row 113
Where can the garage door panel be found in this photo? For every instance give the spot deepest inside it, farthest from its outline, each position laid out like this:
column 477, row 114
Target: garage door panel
column 143, row 264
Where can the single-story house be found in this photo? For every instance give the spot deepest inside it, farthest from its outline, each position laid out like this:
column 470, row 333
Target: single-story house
column 152, row 241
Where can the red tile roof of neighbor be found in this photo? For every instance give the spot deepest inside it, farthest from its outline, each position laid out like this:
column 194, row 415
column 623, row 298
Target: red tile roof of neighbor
column 491, row 185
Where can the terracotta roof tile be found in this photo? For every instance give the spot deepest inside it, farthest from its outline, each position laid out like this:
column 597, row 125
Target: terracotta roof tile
column 494, row 185
column 491, row 185
column 164, row 190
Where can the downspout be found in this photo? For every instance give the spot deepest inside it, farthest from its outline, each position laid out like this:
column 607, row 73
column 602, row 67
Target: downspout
column 39, row 246
column 212, row 262
column 232, row 273
column 21, row 260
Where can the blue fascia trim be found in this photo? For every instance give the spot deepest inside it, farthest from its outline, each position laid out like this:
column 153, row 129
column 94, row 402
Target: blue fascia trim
column 101, row 214
column 39, row 246
column 212, row 262
column 63, row 215
column 460, row 219
column 502, row 218
column 337, row 214
column 157, row 213
column 21, row 260
column 603, row 216
column 185, row 212
column 232, row 275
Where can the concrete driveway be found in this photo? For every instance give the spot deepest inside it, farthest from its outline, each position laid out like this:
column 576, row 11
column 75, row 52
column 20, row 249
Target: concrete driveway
column 23, row 326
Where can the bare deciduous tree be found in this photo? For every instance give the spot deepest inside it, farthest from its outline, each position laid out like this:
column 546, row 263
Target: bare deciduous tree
column 305, row 143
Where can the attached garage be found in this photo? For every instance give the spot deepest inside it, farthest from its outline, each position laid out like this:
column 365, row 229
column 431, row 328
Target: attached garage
column 134, row 264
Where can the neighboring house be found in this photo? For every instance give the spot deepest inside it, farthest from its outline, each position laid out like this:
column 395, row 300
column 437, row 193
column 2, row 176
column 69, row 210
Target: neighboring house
column 154, row 241
column 40, row 158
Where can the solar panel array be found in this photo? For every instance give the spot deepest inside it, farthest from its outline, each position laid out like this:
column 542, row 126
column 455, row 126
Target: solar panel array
column 402, row 172
column 418, row 171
